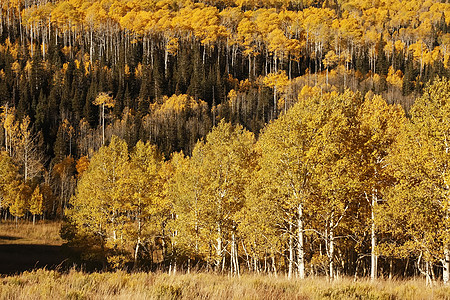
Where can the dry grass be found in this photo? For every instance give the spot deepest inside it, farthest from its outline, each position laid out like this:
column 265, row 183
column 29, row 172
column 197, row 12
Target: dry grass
column 43, row 284
column 46, row 284
column 43, row 233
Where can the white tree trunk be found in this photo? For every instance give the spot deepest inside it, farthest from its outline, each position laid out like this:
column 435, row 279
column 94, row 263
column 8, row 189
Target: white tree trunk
column 136, row 251
column 373, row 256
column 331, row 250
column 291, row 251
column 446, row 261
column 91, row 47
column 103, row 124
column 219, row 246
column 6, row 130
column 301, row 253
column 274, row 101
column 446, row 265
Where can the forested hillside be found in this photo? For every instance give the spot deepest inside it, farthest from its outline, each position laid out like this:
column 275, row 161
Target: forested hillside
column 305, row 137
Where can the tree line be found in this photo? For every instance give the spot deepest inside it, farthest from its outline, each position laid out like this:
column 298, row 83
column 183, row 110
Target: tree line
column 338, row 185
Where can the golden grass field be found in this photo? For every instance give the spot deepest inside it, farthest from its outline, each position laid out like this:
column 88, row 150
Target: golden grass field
column 43, row 233
column 44, row 284
column 21, row 245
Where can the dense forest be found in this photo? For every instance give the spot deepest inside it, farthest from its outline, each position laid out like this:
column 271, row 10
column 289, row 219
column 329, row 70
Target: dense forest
column 278, row 136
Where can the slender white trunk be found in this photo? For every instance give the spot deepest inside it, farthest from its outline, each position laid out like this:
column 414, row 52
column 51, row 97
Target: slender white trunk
column 373, row 256
column 219, row 245
column 274, row 266
column 136, row 251
column 234, row 256
column 25, row 158
column 249, row 65
column 331, row 250
column 6, row 130
column 31, row 39
column 446, row 261
column 91, row 48
column 103, row 124
column 138, row 243
column 301, row 254
column 274, row 101
column 291, row 251
column 166, row 58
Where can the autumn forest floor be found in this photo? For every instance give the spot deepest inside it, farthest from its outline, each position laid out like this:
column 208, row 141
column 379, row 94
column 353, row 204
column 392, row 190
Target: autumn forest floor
column 31, row 260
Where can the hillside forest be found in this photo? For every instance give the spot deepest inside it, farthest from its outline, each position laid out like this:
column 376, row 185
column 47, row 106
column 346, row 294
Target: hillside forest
column 282, row 136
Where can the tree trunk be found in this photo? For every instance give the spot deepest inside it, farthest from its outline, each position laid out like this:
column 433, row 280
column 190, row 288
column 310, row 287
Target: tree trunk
column 331, row 250
column 291, row 251
column 446, row 265
column 91, row 47
column 103, row 124
column 274, row 102
column 234, row 266
column 373, row 256
column 219, row 246
column 301, row 254
column 136, row 252
column 274, row 266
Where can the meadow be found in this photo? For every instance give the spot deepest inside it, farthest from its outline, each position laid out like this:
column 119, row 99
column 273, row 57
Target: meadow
column 31, row 267
column 45, row 284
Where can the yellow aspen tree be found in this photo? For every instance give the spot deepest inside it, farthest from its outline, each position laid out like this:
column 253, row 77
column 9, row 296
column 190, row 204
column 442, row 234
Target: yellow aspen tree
column 19, row 205
column 144, row 197
column 26, row 150
column 259, row 222
column 186, row 192
column 8, row 180
column 222, row 169
column 82, row 165
column 416, row 212
column 10, row 127
column 336, row 185
column 379, row 124
column 36, row 203
column 63, row 174
column 278, row 81
column 329, row 61
column 103, row 100
column 96, row 211
column 286, row 169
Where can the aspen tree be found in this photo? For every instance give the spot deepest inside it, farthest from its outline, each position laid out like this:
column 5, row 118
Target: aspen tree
column 144, row 197
column 221, row 169
column 96, row 209
column 9, row 179
column 379, row 124
column 277, row 81
column 36, row 203
column 334, row 153
column 103, row 100
column 416, row 212
column 26, row 150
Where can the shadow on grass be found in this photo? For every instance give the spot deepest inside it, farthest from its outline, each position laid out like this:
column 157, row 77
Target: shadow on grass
column 9, row 238
column 17, row 258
